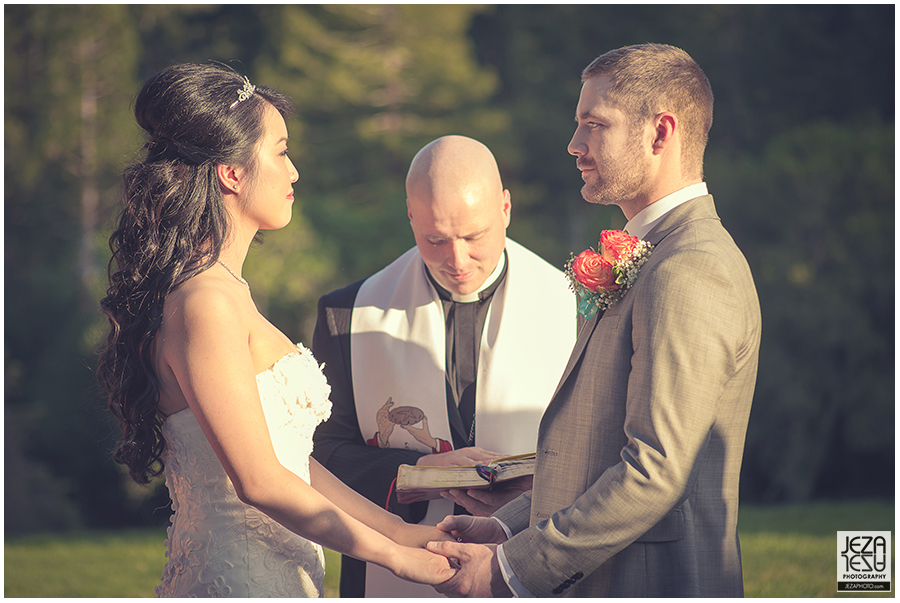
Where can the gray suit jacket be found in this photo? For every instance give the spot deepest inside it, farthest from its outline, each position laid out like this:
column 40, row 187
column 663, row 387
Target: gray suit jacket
column 639, row 451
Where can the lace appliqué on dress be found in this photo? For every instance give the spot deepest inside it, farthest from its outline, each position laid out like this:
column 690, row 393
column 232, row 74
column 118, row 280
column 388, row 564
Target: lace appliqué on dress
column 217, row 545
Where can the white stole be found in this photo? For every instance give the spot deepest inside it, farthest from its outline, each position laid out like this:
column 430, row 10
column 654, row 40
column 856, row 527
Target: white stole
column 398, row 347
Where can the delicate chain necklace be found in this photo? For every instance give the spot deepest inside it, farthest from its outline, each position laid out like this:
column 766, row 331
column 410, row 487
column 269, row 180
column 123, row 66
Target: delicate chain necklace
column 234, row 274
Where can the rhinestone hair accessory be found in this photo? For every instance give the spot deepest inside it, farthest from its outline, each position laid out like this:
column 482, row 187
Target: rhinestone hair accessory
column 244, row 93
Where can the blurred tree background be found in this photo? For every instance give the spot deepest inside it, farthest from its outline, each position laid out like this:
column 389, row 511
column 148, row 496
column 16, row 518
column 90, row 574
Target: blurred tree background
column 801, row 161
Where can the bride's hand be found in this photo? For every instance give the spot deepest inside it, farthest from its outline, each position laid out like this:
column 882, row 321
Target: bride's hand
column 419, row 565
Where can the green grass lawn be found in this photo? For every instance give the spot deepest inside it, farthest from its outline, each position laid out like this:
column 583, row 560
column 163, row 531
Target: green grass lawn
column 126, row 563
column 788, row 551
column 791, row 551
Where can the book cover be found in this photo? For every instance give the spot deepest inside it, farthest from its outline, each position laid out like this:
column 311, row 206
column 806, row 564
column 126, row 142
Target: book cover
column 415, row 483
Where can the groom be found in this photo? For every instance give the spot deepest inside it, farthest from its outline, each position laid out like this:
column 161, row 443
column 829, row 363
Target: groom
column 639, row 450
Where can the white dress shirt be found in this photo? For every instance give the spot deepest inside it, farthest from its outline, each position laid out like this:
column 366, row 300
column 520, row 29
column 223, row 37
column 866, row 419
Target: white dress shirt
column 638, row 226
column 648, row 217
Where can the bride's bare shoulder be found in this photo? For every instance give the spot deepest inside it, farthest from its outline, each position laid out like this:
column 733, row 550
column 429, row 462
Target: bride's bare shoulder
column 208, row 300
column 213, row 311
column 201, row 318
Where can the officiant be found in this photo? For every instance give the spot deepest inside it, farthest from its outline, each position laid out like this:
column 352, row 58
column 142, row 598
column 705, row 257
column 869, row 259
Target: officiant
column 448, row 355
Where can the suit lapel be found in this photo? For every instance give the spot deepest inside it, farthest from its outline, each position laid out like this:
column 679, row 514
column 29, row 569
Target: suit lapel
column 696, row 209
column 583, row 337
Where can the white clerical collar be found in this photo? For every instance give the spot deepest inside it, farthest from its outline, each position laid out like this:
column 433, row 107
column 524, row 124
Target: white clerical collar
column 647, row 218
column 473, row 297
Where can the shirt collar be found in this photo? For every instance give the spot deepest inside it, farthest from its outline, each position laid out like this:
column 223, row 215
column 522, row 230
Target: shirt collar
column 647, row 218
column 486, row 289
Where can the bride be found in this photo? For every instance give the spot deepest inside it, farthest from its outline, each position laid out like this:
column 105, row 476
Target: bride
column 205, row 389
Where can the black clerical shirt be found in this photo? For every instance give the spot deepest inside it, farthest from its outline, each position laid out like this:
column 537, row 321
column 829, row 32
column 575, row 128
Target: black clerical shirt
column 464, row 322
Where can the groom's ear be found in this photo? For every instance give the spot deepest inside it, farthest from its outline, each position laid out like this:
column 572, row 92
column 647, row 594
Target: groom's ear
column 666, row 130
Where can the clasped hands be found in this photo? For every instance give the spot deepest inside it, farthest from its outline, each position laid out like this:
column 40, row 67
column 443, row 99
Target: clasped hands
column 470, row 543
column 458, row 557
column 474, row 554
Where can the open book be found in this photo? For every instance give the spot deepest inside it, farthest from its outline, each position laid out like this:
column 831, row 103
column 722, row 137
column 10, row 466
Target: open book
column 416, row 483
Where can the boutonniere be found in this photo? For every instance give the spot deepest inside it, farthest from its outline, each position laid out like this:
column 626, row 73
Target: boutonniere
column 601, row 278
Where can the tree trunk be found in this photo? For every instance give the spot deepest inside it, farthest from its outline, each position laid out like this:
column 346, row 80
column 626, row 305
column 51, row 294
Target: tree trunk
column 90, row 192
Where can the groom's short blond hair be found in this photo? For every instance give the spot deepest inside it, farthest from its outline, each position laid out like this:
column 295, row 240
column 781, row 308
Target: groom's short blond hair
column 648, row 79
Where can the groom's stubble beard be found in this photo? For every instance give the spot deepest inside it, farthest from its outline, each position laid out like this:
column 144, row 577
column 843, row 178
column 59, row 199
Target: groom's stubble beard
column 623, row 177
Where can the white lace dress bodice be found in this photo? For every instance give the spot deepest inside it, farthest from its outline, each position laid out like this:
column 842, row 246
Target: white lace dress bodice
column 217, row 545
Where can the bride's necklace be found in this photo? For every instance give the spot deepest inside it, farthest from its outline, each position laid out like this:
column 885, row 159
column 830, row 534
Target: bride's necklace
column 234, row 274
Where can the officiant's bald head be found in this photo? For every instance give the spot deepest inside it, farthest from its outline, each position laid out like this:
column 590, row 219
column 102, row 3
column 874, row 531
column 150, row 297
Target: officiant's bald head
column 458, row 210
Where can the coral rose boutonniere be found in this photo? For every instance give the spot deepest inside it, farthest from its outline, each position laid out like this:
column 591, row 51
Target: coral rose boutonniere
column 600, row 279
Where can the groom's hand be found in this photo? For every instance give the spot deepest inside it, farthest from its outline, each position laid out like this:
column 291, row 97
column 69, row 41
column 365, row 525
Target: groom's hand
column 466, row 528
column 479, row 575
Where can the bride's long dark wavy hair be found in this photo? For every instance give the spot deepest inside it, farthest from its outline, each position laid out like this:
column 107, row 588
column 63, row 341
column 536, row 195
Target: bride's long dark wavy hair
column 172, row 227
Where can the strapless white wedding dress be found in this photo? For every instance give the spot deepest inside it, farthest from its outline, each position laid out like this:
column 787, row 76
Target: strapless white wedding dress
column 219, row 546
